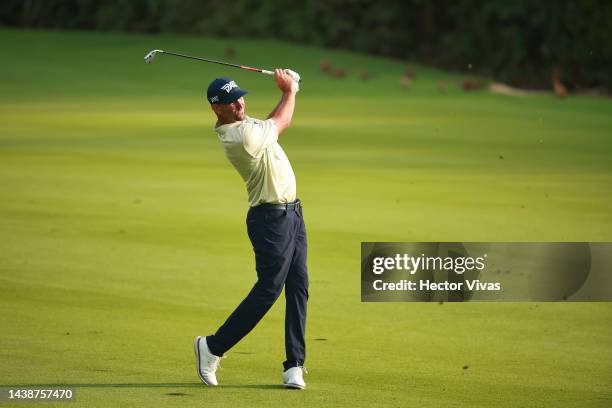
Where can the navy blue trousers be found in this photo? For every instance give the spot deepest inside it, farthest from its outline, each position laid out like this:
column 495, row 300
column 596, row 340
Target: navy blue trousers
column 279, row 242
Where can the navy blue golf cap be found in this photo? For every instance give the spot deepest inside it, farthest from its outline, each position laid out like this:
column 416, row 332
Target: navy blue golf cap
column 224, row 90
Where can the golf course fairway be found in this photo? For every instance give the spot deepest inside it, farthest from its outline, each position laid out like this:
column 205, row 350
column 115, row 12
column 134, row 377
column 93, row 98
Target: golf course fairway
column 122, row 228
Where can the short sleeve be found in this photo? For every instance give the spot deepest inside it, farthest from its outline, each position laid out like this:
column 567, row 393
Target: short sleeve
column 258, row 135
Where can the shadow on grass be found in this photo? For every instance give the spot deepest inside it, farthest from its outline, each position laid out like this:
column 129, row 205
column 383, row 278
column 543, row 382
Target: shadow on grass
column 145, row 385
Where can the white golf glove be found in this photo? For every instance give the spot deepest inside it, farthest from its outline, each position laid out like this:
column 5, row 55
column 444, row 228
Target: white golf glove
column 293, row 74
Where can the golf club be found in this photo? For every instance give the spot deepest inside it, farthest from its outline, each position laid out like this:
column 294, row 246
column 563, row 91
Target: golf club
column 150, row 55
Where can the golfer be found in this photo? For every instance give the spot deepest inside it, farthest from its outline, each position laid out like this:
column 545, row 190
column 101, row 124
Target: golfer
column 274, row 223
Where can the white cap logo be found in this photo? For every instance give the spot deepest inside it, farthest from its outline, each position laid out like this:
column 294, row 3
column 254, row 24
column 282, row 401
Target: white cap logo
column 229, row 86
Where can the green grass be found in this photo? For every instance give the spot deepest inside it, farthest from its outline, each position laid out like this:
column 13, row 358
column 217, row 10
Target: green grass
column 122, row 228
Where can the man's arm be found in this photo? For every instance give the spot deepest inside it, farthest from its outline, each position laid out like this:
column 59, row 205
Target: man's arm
column 283, row 112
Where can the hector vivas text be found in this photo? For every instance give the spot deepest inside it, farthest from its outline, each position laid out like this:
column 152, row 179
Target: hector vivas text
column 413, row 264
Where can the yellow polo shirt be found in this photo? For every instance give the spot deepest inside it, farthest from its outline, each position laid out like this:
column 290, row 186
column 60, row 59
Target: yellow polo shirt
column 252, row 147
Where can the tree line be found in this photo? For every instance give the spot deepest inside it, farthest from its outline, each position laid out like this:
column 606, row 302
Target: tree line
column 519, row 42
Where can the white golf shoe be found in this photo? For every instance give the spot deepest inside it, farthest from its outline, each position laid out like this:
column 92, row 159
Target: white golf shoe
column 292, row 378
column 206, row 362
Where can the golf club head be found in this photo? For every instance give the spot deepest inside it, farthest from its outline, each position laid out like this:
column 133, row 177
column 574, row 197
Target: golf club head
column 149, row 57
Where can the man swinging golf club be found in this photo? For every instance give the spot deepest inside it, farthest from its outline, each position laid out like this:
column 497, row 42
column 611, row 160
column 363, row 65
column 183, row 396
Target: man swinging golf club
column 274, row 223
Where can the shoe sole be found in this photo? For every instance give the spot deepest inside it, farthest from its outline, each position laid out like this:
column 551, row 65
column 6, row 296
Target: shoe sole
column 196, row 347
column 294, row 386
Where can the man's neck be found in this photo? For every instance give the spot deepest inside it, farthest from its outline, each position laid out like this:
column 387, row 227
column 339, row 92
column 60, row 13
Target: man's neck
column 221, row 122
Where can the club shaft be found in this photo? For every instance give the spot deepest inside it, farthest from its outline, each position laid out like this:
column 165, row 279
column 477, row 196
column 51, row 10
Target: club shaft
column 263, row 71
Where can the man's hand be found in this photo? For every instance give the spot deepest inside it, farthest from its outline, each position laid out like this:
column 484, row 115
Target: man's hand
column 296, row 77
column 285, row 81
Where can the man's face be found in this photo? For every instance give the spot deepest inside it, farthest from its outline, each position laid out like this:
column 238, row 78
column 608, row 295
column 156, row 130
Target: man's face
column 231, row 112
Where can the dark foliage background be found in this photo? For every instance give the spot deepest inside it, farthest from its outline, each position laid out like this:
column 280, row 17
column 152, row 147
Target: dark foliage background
column 515, row 41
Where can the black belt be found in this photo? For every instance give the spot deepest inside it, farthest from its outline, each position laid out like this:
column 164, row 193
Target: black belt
column 294, row 206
